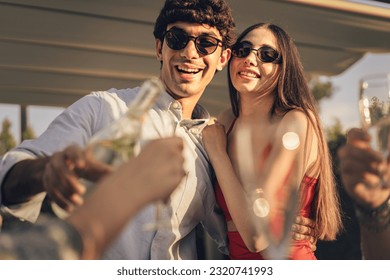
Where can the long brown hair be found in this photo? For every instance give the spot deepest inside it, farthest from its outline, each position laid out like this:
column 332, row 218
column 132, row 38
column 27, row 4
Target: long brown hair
column 292, row 92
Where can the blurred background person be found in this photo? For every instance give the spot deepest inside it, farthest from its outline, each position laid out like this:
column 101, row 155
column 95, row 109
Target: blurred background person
column 365, row 176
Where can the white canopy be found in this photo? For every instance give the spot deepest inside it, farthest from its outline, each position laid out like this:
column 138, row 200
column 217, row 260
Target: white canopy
column 54, row 52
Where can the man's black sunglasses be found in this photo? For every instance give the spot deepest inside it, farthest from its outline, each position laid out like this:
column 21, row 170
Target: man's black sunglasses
column 177, row 39
column 265, row 54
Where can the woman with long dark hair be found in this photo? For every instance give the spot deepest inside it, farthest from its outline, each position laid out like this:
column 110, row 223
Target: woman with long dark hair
column 268, row 89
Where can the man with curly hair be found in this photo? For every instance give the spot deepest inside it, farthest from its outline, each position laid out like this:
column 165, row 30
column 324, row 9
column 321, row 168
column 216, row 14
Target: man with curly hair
column 192, row 43
column 193, row 40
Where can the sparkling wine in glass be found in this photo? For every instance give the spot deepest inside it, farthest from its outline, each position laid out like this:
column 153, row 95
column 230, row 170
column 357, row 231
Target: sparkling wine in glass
column 118, row 142
column 374, row 109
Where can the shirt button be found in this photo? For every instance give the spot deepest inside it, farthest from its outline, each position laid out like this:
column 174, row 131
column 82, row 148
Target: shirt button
column 176, row 105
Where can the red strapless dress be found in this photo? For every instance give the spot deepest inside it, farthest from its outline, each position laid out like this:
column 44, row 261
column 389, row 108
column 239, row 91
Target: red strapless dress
column 300, row 249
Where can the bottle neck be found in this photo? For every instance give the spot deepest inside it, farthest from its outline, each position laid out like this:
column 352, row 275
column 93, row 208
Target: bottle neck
column 146, row 97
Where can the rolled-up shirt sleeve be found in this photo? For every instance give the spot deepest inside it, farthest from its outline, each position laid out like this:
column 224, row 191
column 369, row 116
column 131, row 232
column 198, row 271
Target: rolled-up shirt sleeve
column 74, row 126
column 28, row 210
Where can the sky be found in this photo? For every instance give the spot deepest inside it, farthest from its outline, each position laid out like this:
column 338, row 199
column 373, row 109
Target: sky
column 344, row 102
column 342, row 105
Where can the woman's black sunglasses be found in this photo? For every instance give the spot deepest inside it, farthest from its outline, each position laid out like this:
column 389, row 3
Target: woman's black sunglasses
column 265, row 54
column 177, row 39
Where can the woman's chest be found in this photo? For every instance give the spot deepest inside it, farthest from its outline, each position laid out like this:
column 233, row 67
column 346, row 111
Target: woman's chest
column 249, row 145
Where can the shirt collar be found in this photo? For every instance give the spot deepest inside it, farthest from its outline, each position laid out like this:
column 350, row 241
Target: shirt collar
column 200, row 116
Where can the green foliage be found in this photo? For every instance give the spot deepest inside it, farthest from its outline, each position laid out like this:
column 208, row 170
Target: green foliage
column 7, row 140
column 333, row 132
column 377, row 109
column 29, row 133
column 320, row 88
column 336, row 138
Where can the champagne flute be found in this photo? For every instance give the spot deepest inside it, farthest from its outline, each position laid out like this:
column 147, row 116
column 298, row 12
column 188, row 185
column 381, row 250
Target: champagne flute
column 272, row 208
column 118, row 142
column 374, row 110
column 114, row 152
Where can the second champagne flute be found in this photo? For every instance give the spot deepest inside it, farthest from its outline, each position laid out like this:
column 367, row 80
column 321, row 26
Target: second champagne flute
column 374, row 110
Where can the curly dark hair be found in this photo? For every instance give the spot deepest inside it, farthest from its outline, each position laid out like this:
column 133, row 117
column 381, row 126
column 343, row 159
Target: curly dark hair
column 215, row 13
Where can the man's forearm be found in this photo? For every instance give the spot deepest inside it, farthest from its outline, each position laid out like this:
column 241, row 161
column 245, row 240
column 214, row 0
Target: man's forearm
column 375, row 230
column 23, row 181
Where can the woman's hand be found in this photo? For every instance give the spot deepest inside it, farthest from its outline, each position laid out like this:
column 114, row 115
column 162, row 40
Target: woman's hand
column 214, row 140
column 304, row 229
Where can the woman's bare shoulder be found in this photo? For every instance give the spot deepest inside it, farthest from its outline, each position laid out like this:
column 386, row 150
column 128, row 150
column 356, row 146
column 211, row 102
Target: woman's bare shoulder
column 295, row 121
